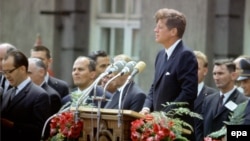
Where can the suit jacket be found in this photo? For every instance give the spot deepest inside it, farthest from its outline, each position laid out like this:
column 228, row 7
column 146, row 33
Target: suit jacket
column 132, row 99
column 212, row 120
column 28, row 110
column 54, row 97
column 99, row 92
column 205, row 91
column 59, row 85
column 175, row 81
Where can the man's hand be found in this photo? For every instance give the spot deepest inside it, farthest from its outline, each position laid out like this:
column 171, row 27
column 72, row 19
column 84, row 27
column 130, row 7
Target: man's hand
column 7, row 123
column 144, row 111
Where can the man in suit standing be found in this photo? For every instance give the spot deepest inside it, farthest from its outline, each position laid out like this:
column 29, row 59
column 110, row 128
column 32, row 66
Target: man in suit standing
column 26, row 106
column 175, row 78
column 132, row 97
column 43, row 53
column 203, row 89
column 84, row 75
column 216, row 107
column 37, row 72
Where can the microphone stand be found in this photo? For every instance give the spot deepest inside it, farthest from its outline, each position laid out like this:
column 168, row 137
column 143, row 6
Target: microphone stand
column 46, row 122
column 99, row 99
column 120, row 101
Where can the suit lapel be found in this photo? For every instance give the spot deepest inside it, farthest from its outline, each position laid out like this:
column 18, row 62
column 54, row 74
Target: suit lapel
column 114, row 101
column 20, row 95
column 198, row 101
column 165, row 66
column 232, row 97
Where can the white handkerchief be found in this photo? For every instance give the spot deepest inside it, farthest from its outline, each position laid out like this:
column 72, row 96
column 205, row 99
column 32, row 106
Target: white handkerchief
column 231, row 105
column 167, row 73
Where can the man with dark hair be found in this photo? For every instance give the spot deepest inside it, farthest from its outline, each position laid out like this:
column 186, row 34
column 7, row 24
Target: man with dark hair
column 43, row 53
column 216, row 107
column 25, row 107
column 102, row 61
column 84, row 75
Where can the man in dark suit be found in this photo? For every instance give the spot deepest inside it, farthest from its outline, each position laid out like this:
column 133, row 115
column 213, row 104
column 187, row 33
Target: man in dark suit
column 37, row 71
column 43, row 53
column 203, row 89
column 175, row 78
column 216, row 107
column 83, row 75
column 132, row 95
column 25, row 107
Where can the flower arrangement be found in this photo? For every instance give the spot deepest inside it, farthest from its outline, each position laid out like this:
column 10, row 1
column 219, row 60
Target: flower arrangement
column 64, row 128
column 162, row 126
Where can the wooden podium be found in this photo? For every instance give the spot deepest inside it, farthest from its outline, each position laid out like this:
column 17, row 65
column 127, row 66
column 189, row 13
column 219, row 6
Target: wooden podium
column 108, row 124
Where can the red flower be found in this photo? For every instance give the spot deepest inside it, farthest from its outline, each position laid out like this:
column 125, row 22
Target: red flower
column 64, row 123
column 149, row 129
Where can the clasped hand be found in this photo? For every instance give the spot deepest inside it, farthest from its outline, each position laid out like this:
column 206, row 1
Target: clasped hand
column 6, row 123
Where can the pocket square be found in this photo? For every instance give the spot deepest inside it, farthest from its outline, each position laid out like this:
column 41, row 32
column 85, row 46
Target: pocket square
column 167, row 73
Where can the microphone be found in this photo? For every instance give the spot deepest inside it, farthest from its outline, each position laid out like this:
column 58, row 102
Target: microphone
column 139, row 67
column 128, row 68
column 116, row 67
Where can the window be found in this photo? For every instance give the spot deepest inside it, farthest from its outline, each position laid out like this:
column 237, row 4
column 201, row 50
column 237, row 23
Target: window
column 115, row 26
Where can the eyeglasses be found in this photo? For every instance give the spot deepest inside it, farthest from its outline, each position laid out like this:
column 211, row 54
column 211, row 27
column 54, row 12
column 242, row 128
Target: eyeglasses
column 9, row 71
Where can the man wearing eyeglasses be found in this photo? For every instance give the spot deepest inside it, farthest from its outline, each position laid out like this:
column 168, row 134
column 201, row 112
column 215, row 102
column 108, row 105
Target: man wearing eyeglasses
column 25, row 107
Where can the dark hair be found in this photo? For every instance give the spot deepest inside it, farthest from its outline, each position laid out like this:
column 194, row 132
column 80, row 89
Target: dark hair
column 42, row 48
column 228, row 62
column 38, row 62
column 19, row 59
column 92, row 65
column 100, row 53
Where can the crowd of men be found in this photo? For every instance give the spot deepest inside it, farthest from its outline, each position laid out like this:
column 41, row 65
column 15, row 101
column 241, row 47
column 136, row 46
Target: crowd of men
column 29, row 95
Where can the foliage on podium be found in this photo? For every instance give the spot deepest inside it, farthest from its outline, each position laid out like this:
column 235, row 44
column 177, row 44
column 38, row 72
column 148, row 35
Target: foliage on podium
column 163, row 126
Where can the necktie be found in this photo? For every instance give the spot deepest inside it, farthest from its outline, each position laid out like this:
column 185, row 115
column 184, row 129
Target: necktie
column 220, row 104
column 166, row 57
column 13, row 93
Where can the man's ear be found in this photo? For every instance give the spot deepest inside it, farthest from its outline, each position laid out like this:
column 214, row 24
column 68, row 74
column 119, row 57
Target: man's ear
column 174, row 31
column 50, row 60
column 93, row 74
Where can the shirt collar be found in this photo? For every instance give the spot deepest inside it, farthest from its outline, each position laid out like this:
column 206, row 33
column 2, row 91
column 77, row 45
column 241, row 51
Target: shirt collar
column 46, row 77
column 227, row 94
column 170, row 50
column 200, row 86
column 22, row 85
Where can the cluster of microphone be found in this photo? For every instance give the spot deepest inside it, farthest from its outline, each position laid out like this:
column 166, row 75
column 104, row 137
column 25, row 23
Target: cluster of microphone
column 125, row 68
column 119, row 67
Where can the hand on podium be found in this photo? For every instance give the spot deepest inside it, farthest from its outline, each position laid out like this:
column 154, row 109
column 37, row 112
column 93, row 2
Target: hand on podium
column 144, row 111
